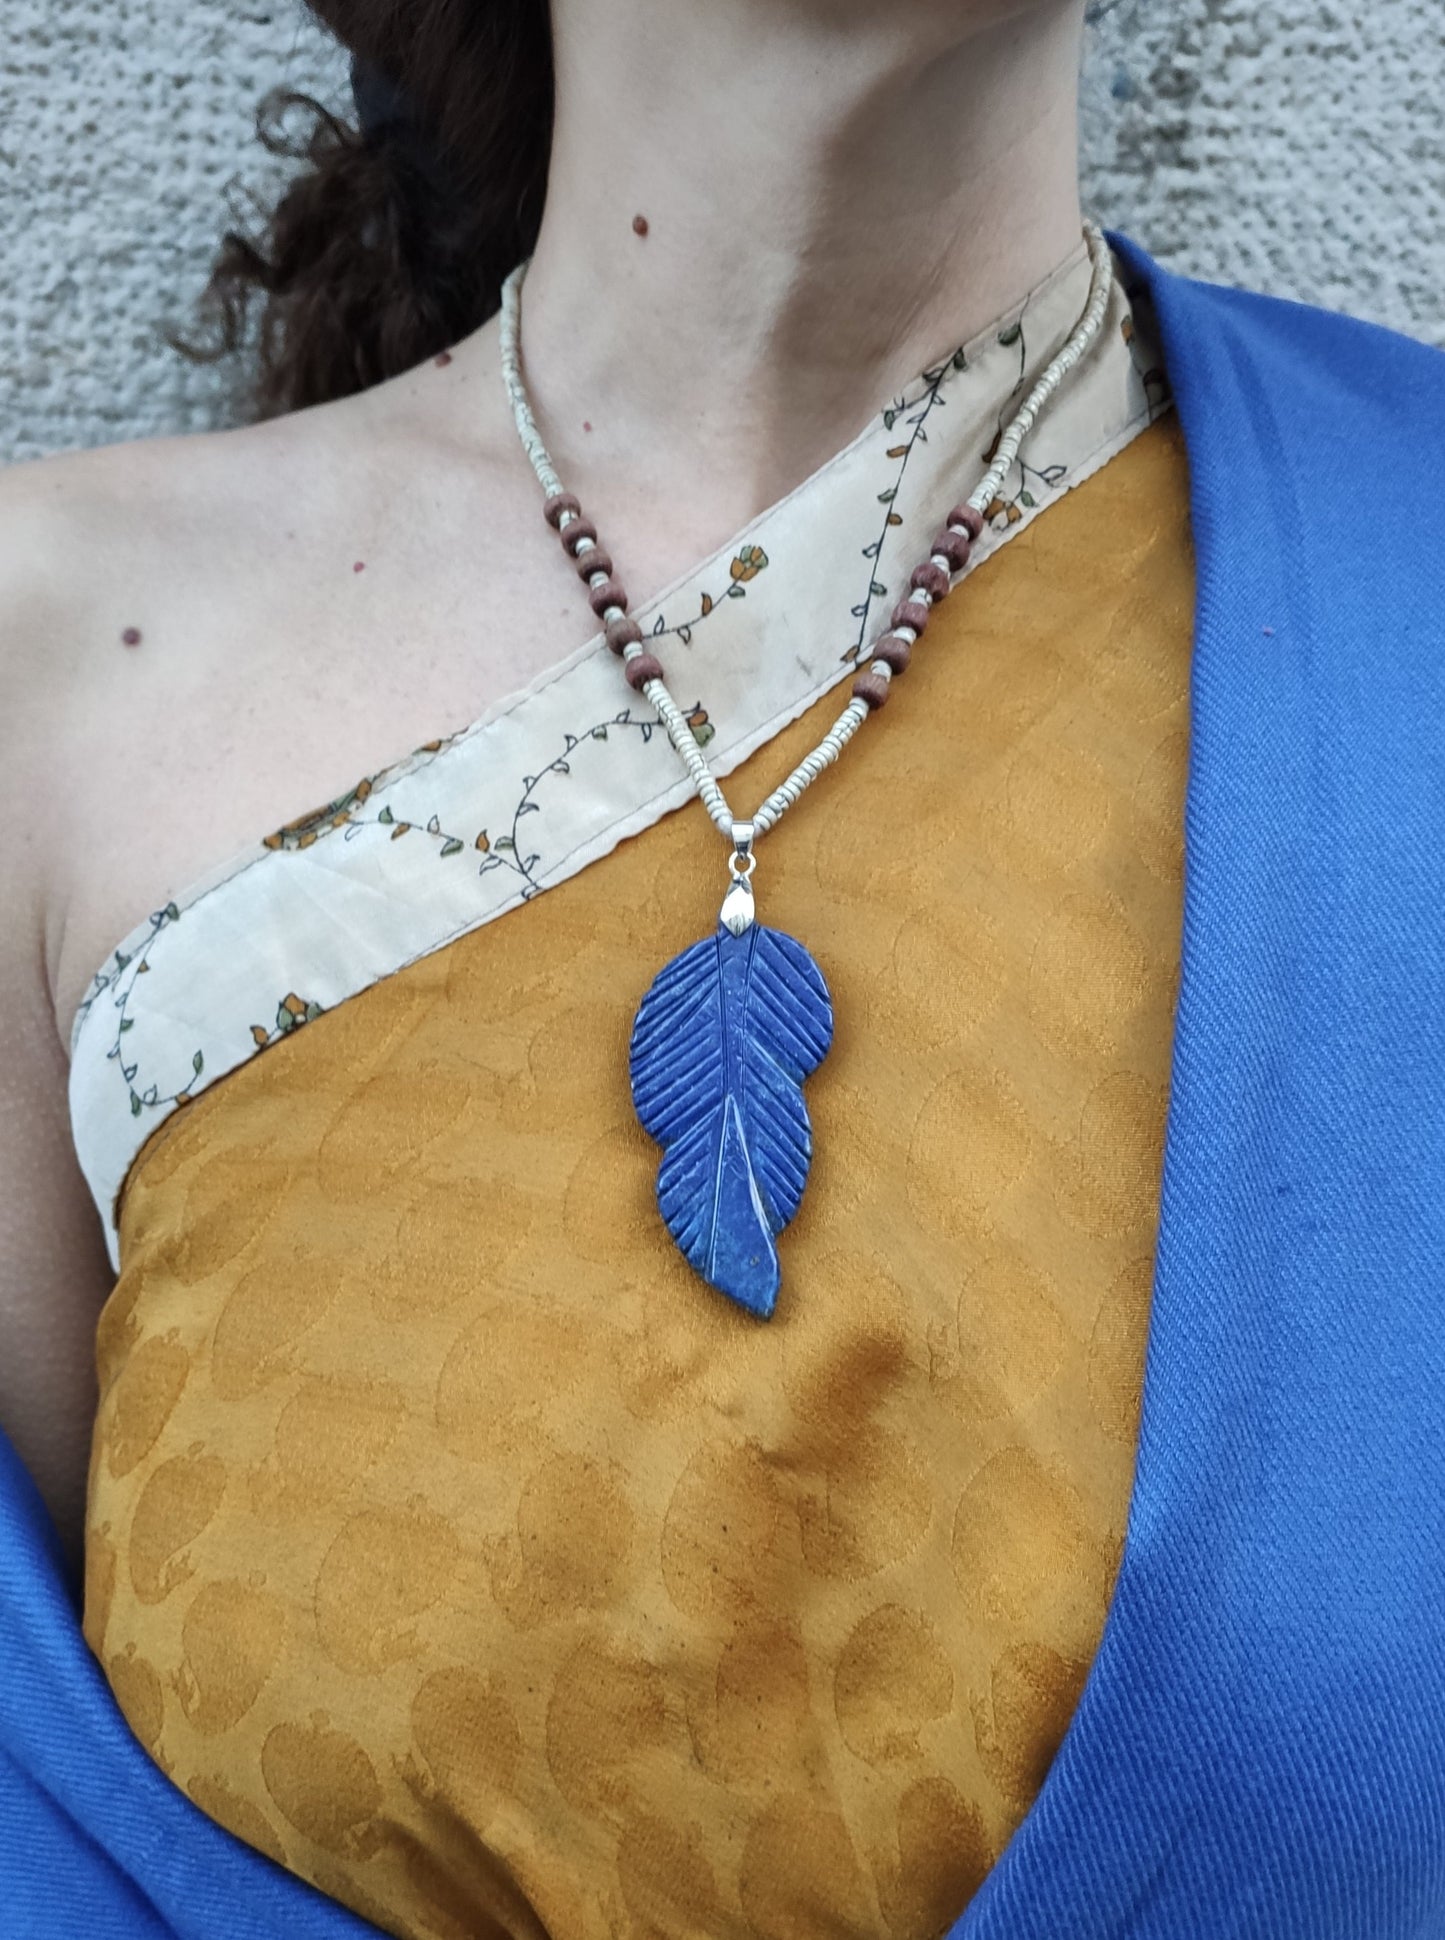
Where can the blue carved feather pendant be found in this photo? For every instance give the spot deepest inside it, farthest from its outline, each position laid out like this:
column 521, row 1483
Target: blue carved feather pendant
column 720, row 1047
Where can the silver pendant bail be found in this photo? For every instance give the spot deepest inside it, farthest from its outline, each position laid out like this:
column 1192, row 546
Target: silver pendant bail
column 737, row 909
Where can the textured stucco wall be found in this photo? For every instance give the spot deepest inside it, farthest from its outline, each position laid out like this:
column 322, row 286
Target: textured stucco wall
column 1286, row 144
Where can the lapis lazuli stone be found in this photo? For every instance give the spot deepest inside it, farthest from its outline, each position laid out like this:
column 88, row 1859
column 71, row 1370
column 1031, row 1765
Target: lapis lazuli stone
column 721, row 1045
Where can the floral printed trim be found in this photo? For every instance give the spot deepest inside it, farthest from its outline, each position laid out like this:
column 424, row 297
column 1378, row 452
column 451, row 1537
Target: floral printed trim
column 558, row 774
column 507, row 851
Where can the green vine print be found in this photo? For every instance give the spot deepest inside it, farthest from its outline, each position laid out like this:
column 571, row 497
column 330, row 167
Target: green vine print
column 744, row 565
column 350, row 814
column 1005, row 509
column 915, row 411
column 148, row 1097
column 507, row 850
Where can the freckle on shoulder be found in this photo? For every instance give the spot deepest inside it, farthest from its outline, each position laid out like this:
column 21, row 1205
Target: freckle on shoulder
column 76, row 531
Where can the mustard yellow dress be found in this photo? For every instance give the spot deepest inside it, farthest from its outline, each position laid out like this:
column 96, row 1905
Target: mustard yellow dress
column 448, row 1540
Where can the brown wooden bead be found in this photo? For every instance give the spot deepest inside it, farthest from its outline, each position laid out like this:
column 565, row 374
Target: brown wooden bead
column 955, row 547
column 642, row 668
column 968, row 518
column 895, row 651
column 621, row 633
column 931, row 579
column 556, row 505
column 596, row 559
column 575, row 530
column 872, row 688
column 910, row 613
column 610, row 593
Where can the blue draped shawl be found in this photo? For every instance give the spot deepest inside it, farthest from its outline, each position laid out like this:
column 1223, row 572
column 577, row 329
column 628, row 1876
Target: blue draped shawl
column 1259, row 1751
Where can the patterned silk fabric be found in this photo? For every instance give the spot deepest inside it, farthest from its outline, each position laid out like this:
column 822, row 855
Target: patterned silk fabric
column 454, row 1545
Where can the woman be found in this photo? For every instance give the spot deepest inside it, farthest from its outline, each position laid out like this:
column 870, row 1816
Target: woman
column 459, row 1558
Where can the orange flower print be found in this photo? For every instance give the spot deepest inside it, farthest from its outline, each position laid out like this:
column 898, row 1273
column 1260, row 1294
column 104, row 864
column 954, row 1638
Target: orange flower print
column 748, row 564
column 306, row 829
column 291, row 1012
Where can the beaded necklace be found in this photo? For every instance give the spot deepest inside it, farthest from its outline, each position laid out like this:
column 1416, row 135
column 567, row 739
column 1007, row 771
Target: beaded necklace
column 730, row 1028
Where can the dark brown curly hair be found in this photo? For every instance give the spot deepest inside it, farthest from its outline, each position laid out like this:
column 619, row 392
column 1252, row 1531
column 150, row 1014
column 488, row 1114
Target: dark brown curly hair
column 392, row 244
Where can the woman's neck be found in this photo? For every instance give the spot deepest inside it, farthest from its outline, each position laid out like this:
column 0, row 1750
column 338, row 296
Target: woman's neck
column 835, row 192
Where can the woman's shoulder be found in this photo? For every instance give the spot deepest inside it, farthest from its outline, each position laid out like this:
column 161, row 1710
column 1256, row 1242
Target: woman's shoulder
column 117, row 565
column 87, row 536
column 204, row 634
column 181, row 618
column 90, row 539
